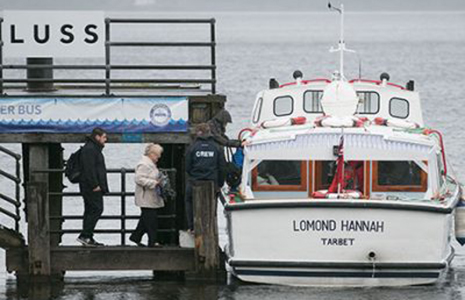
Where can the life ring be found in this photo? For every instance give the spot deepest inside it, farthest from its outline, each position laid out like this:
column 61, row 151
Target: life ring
column 283, row 122
column 346, row 194
column 396, row 123
column 349, row 121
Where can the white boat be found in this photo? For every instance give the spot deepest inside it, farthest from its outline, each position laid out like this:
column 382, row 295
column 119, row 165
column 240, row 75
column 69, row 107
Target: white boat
column 342, row 185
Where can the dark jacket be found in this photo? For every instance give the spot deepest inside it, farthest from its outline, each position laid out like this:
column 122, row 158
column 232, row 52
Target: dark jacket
column 93, row 170
column 218, row 129
column 205, row 161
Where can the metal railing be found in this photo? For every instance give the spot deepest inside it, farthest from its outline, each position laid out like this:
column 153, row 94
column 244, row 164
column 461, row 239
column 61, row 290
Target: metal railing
column 108, row 83
column 16, row 178
column 122, row 195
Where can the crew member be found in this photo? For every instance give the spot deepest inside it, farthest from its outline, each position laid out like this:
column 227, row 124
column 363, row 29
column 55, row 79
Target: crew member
column 204, row 161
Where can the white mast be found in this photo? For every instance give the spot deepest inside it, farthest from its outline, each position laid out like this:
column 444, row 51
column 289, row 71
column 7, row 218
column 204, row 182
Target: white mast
column 341, row 45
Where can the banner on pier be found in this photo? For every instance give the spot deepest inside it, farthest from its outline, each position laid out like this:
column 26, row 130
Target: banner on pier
column 81, row 115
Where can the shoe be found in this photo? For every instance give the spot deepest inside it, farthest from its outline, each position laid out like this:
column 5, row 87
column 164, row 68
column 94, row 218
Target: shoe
column 97, row 244
column 86, row 242
column 138, row 243
column 156, row 245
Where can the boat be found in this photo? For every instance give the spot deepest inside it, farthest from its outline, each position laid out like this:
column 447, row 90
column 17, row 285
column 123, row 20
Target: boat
column 342, row 185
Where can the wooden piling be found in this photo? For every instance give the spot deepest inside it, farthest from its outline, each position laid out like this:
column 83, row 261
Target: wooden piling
column 38, row 230
column 207, row 251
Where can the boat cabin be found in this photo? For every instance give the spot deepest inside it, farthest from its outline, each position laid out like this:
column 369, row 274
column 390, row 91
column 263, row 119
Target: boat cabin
column 302, row 98
column 390, row 160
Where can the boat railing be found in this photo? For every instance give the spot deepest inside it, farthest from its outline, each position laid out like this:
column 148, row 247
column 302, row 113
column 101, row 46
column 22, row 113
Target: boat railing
column 155, row 77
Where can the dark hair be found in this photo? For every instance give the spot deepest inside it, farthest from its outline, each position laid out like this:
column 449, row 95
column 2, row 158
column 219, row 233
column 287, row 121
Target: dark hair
column 202, row 129
column 97, row 131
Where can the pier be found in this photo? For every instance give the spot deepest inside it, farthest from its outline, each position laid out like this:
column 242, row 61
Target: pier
column 40, row 191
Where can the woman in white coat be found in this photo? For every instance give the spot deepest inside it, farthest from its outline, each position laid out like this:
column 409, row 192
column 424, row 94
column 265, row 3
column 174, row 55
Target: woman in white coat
column 146, row 197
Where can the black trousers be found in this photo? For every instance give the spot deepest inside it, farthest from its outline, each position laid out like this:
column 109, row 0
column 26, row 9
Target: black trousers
column 148, row 223
column 93, row 209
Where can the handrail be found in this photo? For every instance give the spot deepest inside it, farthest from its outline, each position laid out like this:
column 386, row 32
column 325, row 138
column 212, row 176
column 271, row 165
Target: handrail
column 10, row 153
column 107, row 80
column 122, row 195
column 16, row 216
column 113, row 67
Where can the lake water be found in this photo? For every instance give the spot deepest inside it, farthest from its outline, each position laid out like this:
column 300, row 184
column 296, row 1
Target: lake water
column 253, row 47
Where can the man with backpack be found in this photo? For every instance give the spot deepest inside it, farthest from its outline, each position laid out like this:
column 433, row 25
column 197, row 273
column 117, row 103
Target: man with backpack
column 92, row 184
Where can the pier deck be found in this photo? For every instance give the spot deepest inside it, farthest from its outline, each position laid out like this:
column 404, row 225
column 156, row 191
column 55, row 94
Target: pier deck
column 78, row 258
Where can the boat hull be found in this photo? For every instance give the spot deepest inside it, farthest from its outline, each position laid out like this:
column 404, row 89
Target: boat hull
column 338, row 243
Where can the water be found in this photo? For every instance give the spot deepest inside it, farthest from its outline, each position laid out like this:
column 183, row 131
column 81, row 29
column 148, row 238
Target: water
column 426, row 47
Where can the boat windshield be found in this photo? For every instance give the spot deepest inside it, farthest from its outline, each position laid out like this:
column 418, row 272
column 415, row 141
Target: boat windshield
column 366, row 177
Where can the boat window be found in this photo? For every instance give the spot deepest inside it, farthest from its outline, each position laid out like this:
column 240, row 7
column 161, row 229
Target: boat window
column 354, row 175
column 398, row 176
column 280, row 175
column 258, row 110
column 312, row 101
column 399, row 108
column 369, row 103
column 324, row 174
column 283, row 106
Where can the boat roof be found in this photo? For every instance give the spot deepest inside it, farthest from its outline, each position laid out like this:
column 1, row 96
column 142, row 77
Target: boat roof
column 308, row 142
column 301, row 98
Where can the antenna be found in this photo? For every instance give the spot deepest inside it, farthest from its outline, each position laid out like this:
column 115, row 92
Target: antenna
column 341, row 45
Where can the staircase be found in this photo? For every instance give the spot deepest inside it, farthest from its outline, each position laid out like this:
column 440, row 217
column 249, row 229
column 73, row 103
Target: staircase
column 10, row 236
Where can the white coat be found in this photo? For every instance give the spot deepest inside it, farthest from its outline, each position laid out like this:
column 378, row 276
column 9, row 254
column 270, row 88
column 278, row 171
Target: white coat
column 146, row 180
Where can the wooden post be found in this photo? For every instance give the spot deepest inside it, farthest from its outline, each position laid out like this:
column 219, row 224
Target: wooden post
column 206, row 229
column 38, row 230
column 38, row 212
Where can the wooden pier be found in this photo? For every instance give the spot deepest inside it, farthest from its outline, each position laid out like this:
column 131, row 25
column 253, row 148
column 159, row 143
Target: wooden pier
column 41, row 255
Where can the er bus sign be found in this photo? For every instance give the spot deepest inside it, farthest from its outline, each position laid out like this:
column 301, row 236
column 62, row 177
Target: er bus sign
column 53, row 34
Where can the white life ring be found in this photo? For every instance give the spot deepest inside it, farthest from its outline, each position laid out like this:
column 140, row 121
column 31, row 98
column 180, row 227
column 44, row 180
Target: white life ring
column 283, row 122
column 396, row 123
column 338, row 122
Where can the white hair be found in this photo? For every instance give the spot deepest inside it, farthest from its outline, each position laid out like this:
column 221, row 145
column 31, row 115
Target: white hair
column 153, row 148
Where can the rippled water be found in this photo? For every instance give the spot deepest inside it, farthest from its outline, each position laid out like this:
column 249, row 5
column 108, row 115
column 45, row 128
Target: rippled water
column 426, row 47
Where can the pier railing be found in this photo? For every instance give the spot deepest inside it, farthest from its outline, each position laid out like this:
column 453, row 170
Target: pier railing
column 13, row 212
column 168, row 214
column 111, row 85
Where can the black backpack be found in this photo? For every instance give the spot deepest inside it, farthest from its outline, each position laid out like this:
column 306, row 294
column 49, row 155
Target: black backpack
column 73, row 167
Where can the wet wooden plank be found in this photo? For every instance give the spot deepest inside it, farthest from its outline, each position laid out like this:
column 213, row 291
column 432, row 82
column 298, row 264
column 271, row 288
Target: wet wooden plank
column 76, row 258
column 122, row 258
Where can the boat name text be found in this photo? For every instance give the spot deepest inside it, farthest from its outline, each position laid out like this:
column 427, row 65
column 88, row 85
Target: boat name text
column 342, row 225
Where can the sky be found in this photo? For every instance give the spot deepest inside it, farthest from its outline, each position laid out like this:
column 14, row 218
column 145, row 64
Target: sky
column 235, row 5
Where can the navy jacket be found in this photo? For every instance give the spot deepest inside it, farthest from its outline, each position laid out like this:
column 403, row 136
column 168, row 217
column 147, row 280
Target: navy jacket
column 205, row 161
